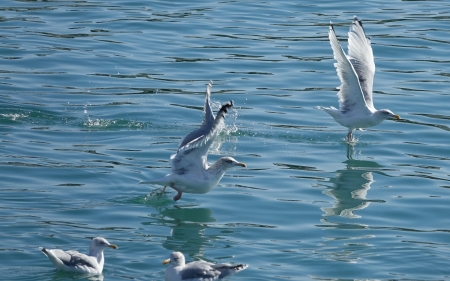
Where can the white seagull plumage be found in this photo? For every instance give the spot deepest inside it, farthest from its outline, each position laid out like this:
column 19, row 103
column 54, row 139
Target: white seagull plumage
column 355, row 71
column 200, row 270
column 191, row 172
column 73, row 261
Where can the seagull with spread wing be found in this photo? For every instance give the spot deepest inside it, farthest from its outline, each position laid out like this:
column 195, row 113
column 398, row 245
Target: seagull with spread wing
column 191, row 172
column 356, row 71
column 200, row 270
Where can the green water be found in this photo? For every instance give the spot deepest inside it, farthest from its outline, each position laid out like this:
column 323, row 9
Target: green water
column 96, row 95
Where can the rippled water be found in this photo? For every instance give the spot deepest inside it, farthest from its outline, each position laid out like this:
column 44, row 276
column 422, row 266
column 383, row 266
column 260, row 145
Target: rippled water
column 96, row 95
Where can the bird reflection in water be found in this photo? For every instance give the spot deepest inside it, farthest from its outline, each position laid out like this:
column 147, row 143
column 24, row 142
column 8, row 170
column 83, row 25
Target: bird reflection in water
column 188, row 229
column 350, row 186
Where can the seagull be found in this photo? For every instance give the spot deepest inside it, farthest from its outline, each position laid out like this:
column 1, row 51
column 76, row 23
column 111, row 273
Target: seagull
column 356, row 71
column 73, row 261
column 190, row 170
column 200, row 270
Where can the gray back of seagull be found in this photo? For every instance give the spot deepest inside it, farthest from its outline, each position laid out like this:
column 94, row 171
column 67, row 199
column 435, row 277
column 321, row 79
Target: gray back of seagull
column 199, row 269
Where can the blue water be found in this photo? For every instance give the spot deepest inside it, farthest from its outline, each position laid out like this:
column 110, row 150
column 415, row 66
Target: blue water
column 96, row 95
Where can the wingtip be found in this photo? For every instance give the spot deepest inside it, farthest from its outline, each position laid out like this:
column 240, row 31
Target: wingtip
column 241, row 267
column 227, row 106
column 43, row 250
column 357, row 21
column 208, row 87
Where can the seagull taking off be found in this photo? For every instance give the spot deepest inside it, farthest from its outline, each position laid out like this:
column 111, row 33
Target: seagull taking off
column 190, row 170
column 356, row 71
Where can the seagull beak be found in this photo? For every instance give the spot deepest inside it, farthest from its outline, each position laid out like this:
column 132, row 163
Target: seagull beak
column 113, row 246
column 166, row 261
column 396, row 116
column 241, row 164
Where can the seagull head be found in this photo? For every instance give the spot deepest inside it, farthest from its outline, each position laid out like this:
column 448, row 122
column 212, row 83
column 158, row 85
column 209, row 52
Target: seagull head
column 384, row 114
column 98, row 244
column 175, row 259
column 229, row 162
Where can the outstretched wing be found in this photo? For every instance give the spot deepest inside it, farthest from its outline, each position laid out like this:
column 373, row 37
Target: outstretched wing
column 193, row 151
column 208, row 120
column 350, row 94
column 361, row 57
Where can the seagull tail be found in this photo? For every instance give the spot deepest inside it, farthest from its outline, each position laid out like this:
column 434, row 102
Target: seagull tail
column 334, row 112
column 166, row 180
column 227, row 269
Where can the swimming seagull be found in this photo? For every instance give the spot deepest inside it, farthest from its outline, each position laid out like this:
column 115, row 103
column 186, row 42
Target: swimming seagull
column 190, row 170
column 74, row 261
column 197, row 270
column 356, row 71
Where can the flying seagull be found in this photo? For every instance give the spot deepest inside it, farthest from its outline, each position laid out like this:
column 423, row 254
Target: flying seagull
column 356, row 71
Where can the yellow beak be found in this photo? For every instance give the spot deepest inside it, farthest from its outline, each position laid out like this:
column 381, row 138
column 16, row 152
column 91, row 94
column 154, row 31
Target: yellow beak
column 242, row 165
column 166, row 261
column 397, row 116
column 113, row 246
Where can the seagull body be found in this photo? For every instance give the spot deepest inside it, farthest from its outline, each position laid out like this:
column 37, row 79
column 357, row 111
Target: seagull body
column 190, row 170
column 74, row 261
column 355, row 71
column 200, row 270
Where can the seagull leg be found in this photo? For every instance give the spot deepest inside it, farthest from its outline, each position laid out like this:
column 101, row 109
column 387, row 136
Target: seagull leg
column 350, row 136
column 178, row 196
column 164, row 189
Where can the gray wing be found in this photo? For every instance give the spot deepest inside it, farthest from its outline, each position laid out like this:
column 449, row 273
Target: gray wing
column 192, row 155
column 199, row 269
column 207, row 123
column 74, row 258
column 350, row 94
column 70, row 258
column 361, row 56
column 228, row 269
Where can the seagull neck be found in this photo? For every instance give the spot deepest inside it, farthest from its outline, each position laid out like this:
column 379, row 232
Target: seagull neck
column 216, row 169
column 98, row 255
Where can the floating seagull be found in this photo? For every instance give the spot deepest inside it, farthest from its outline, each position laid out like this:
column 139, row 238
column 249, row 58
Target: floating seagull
column 74, row 261
column 190, row 170
column 197, row 270
column 356, row 71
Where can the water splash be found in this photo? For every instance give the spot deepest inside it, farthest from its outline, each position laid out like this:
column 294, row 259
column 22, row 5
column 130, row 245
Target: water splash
column 226, row 132
column 13, row 116
column 107, row 123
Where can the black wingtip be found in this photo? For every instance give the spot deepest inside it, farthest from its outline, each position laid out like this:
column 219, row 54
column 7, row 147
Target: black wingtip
column 226, row 106
column 356, row 20
column 43, row 250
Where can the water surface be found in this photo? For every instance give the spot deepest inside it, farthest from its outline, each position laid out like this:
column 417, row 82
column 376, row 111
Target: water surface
column 96, row 95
